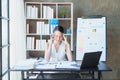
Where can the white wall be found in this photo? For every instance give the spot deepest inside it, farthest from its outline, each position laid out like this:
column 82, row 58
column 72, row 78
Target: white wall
column 17, row 35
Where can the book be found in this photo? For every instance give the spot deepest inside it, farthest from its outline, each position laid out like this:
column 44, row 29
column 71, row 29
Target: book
column 53, row 24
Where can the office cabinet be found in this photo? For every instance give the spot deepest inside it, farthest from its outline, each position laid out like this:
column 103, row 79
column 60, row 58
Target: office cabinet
column 41, row 18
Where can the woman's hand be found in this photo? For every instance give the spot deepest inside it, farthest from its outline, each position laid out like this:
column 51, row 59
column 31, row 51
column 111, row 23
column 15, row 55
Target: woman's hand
column 65, row 40
column 51, row 39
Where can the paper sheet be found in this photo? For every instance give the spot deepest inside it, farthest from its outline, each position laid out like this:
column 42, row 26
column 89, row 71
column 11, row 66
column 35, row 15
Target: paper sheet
column 35, row 64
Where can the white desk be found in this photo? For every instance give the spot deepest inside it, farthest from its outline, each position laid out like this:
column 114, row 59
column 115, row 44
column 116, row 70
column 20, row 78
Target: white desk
column 63, row 67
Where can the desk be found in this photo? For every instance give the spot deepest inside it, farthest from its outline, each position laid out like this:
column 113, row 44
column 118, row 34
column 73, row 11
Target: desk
column 63, row 70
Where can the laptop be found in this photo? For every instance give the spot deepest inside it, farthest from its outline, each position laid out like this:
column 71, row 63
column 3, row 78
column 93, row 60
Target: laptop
column 91, row 59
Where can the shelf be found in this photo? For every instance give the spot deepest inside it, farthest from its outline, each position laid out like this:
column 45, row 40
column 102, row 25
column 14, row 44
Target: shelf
column 34, row 50
column 38, row 23
column 36, row 19
column 47, row 18
column 32, row 3
column 45, row 34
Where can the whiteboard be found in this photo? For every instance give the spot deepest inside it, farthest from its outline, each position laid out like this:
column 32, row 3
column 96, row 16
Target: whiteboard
column 91, row 36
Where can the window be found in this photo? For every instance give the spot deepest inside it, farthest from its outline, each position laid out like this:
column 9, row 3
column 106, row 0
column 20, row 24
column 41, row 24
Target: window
column 4, row 39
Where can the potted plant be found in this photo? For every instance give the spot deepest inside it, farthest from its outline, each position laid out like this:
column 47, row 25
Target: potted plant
column 63, row 13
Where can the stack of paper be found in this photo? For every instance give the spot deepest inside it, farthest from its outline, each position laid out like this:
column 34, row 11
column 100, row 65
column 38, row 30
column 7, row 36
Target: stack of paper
column 25, row 65
column 68, row 65
column 54, row 65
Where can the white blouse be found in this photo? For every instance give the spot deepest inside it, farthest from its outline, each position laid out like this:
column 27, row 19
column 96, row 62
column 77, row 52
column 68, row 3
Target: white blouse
column 60, row 55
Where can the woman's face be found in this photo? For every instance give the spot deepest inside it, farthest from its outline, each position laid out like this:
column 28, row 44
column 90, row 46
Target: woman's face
column 58, row 36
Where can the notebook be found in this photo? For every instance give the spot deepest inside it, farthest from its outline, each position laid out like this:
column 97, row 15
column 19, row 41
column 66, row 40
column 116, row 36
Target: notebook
column 91, row 59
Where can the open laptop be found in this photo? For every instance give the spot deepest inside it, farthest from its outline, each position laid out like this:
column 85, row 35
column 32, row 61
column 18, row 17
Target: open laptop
column 91, row 59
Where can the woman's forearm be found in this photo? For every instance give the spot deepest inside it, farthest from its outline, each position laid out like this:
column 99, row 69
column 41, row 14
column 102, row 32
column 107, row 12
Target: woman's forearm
column 48, row 52
column 69, row 53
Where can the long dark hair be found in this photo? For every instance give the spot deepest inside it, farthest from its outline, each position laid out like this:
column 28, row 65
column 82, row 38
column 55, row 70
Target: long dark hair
column 59, row 28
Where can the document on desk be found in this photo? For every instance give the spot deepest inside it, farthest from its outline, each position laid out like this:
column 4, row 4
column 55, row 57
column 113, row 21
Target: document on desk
column 68, row 65
column 45, row 66
column 25, row 65
column 56, row 65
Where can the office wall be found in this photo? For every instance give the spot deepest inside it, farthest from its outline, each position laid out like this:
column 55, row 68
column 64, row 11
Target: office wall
column 110, row 9
column 17, row 35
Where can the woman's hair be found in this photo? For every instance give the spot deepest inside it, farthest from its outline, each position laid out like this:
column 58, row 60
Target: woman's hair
column 59, row 28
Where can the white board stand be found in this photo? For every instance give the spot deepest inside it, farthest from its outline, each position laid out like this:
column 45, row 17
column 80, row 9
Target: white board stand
column 91, row 36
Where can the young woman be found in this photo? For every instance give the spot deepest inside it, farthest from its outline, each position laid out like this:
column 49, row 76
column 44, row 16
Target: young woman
column 58, row 48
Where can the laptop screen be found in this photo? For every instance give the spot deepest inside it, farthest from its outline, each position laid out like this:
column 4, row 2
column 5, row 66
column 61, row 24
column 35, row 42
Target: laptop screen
column 91, row 59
